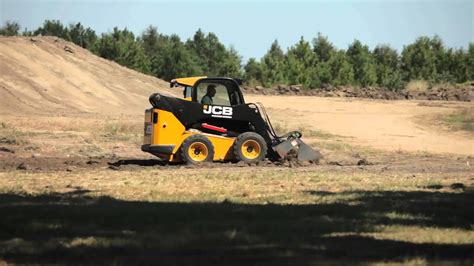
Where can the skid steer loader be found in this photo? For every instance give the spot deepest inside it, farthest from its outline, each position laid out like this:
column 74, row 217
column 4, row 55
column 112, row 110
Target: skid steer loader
column 213, row 123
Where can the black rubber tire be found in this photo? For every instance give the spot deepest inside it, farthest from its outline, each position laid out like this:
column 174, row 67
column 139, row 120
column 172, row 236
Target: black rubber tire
column 241, row 139
column 194, row 139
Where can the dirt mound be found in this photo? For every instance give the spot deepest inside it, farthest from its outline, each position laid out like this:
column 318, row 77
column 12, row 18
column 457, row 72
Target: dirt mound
column 50, row 75
column 465, row 94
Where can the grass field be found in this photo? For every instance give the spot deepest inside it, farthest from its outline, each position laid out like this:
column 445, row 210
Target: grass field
column 234, row 215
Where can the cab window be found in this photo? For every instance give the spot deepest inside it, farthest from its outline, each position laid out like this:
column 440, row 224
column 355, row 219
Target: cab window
column 212, row 93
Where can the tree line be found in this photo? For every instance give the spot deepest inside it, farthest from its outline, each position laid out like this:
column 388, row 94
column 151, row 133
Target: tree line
column 312, row 64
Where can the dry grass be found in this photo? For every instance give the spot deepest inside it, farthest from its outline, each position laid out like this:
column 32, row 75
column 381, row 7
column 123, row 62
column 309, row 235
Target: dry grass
column 238, row 185
column 260, row 215
column 307, row 132
column 11, row 135
column 82, row 136
column 417, row 86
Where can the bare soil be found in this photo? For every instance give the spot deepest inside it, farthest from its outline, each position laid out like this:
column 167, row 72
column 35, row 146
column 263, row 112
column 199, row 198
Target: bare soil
column 51, row 76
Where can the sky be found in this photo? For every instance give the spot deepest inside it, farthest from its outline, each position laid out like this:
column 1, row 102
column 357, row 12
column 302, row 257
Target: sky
column 250, row 26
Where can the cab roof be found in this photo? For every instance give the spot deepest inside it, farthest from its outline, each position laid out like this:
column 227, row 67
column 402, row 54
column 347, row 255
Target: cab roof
column 189, row 81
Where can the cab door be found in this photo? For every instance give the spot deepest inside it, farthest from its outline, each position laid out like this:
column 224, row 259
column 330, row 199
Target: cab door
column 227, row 91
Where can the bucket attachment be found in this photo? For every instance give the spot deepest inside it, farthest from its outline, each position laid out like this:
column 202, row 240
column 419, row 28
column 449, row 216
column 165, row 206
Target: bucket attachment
column 304, row 151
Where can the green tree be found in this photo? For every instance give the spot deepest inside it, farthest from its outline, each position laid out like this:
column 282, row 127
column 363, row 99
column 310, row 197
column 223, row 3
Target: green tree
column 85, row 38
column 53, row 28
column 122, row 47
column 419, row 60
column 11, row 28
column 460, row 66
column 155, row 46
column 470, row 61
column 363, row 64
column 387, row 67
column 323, row 48
column 231, row 66
column 200, row 47
column 253, row 72
column 212, row 56
column 177, row 60
column 273, row 66
column 342, row 72
column 150, row 39
column 301, row 65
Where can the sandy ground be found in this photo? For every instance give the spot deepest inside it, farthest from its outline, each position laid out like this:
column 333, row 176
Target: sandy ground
column 388, row 125
column 48, row 75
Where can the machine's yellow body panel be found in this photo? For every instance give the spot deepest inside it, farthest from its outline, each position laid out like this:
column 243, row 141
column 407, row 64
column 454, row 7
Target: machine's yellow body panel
column 168, row 131
column 222, row 147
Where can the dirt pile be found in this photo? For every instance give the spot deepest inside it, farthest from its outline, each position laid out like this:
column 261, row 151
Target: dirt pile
column 441, row 93
column 51, row 76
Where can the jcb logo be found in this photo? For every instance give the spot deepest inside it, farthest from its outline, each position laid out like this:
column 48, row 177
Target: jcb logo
column 218, row 111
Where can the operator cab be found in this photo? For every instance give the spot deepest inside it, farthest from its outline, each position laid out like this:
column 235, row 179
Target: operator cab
column 227, row 90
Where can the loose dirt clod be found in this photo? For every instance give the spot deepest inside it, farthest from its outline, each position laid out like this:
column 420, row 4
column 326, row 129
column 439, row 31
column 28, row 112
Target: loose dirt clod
column 91, row 162
column 22, row 166
column 363, row 161
column 4, row 149
column 8, row 141
column 291, row 160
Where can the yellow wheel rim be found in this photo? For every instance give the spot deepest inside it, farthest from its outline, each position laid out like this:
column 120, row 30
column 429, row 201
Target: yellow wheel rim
column 250, row 149
column 198, row 151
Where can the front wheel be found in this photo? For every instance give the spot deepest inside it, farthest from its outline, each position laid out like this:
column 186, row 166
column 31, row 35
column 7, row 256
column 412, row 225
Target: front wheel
column 250, row 147
column 197, row 149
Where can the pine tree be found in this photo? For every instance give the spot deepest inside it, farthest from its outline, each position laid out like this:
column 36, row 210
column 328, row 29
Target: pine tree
column 342, row 72
column 273, row 66
column 301, row 65
column 253, row 72
column 11, row 28
column 470, row 61
column 419, row 60
column 231, row 64
column 85, row 38
column 363, row 64
column 323, row 48
column 53, row 28
column 387, row 67
column 122, row 47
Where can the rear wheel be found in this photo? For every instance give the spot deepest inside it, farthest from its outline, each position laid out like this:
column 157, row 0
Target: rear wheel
column 197, row 149
column 250, row 147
